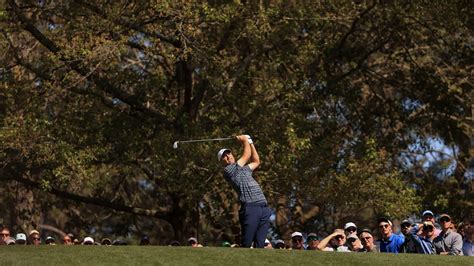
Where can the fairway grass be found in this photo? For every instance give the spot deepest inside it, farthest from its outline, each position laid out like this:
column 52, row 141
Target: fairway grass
column 159, row 255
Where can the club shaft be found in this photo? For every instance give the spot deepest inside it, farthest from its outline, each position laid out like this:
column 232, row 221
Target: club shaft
column 204, row 140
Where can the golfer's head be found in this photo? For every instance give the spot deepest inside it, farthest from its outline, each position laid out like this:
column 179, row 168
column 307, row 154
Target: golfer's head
column 225, row 156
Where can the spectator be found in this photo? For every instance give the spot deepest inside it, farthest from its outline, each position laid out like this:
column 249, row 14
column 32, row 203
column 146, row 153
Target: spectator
column 423, row 236
column 175, row 243
column 145, row 241
column 350, row 228
column 468, row 244
column 34, row 238
column 119, row 242
column 297, row 241
column 5, row 235
column 20, row 239
column 67, row 240
column 88, row 241
column 334, row 242
column 10, row 241
column 49, row 240
column 367, row 240
column 390, row 242
column 106, row 242
column 448, row 242
column 428, row 216
column 354, row 243
column 267, row 245
column 280, row 244
column 192, row 241
column 409, row 246
column 461, row 229
column 312, row 241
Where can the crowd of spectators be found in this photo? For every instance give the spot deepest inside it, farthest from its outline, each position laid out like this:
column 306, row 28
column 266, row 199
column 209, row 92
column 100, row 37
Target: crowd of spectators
column 424, row 237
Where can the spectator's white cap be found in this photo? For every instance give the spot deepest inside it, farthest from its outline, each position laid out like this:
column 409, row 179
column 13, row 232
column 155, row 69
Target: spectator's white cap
column 383, row 219
column 352, row 236
column 427, row 212
column 20, row 236
column 33, row 232
column 220, row 153
column 10, row 241
column 350, row 224
column 296, row 234
column 267, row 241
column 192, row 239
column 88, row 239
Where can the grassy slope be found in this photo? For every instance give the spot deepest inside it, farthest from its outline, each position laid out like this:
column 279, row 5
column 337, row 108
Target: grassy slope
column 154, row 255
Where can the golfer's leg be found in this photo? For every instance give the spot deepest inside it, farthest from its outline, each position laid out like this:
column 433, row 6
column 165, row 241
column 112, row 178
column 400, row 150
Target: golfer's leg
column 263, row 226
column 249, row 220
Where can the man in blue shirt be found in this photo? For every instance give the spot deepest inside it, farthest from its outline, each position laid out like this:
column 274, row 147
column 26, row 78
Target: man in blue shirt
column 423, row 236
column 390, row 242
column 254, row 214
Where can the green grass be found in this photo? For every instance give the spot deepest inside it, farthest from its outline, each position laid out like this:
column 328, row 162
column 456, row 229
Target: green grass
column 157, row 255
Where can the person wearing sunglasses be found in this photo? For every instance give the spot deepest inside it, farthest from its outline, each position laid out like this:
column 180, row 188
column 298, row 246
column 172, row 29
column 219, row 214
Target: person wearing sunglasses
column 409, row 246
column 312, row 241
column 428, row 216
column 423, row 236
column 334, row 242
column 4, row 235
column 297, row 242
column 367, row 240
column 34, row 237
column 448, row 242
column 390, row 242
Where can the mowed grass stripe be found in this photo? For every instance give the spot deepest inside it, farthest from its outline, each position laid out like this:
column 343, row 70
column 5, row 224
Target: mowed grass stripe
column 158, row 255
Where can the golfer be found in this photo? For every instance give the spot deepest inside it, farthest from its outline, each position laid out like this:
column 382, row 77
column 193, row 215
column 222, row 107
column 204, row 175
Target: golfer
column 254, row 214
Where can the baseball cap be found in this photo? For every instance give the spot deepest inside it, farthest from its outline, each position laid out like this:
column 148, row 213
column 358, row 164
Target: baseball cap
column 192, row 239
column 279, row 243
column 49, row 239
column 10, row 241
column 365, row 230
column 33, row 232
column 311, row 237
column 267, row 241
column 445, row 215
column 350, row 224
column 88, row 239
column 228, row 244
column 383, row 219
column 427, row 212
column 352, row 236
column 296, row 234
column 406, row 221
column 221, row 152
column 20, row 236
column 106, row 242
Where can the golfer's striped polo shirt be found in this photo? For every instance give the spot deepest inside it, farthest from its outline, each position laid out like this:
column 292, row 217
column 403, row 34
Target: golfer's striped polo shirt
column 242, row 181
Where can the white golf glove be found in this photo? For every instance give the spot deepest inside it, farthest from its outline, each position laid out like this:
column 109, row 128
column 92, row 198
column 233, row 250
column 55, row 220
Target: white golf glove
column 249, row 139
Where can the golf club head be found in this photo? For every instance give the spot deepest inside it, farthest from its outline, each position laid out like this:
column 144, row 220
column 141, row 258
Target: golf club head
column 175, row 145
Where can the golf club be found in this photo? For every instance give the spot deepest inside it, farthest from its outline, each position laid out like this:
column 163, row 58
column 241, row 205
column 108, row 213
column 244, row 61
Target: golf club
column 175, row 144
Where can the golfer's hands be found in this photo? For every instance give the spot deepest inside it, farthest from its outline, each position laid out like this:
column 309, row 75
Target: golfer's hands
column 243, row 138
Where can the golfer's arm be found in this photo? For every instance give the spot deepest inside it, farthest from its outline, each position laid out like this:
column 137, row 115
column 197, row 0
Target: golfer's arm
column 254, row 158
column 247, row 152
